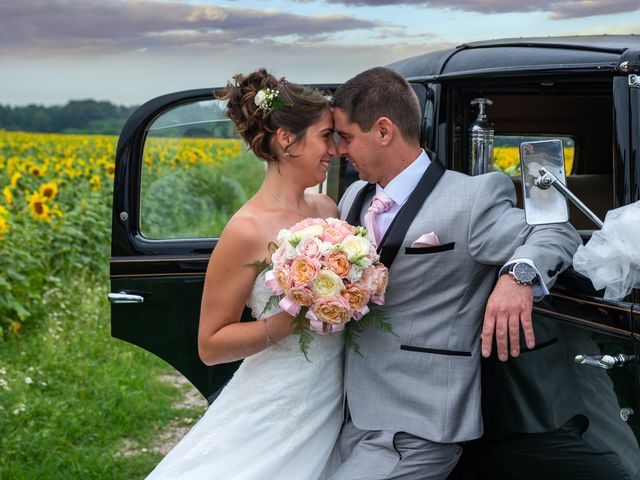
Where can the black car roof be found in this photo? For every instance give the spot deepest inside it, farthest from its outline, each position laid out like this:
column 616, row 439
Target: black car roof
column 513, row 55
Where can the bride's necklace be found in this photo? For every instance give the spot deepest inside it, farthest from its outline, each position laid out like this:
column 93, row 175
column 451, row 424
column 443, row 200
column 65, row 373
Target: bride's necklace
column 282, row 202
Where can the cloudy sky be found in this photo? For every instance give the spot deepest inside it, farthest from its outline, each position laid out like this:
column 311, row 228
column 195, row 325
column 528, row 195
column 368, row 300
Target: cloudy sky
column 128, row 52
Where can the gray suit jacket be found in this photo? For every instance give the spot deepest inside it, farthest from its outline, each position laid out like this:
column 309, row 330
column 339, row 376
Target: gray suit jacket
column 426, row 380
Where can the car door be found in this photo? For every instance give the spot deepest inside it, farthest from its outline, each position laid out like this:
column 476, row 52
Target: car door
column 180, row 174
column 584, row 368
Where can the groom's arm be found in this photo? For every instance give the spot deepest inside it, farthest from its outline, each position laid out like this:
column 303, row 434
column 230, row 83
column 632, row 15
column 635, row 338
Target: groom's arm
column 498, row 236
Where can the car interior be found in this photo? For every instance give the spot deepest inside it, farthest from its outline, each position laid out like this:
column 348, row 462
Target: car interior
column 581, row 111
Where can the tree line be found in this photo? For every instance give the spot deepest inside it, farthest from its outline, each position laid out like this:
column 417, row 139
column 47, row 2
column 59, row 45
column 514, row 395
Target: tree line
column 77, row 116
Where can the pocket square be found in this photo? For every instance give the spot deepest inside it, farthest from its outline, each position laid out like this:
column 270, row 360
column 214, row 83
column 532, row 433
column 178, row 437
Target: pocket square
column 427, row 240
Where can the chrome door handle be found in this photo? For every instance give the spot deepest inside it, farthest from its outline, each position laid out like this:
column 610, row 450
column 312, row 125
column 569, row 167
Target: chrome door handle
column 123, row 297
column 604, row 361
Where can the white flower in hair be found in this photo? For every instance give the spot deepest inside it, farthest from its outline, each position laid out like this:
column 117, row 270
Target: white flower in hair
column 266, row 99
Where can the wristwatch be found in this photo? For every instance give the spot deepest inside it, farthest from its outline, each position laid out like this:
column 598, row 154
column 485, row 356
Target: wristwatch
column 523, row 273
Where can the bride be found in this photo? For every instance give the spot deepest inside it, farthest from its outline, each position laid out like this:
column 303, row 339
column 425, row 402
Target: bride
column 279, row 416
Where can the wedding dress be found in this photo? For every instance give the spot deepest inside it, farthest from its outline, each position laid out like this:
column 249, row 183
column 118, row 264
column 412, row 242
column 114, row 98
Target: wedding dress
column 277, row 418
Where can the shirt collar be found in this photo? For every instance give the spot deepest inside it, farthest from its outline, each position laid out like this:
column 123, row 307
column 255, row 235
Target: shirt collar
column 401, row 186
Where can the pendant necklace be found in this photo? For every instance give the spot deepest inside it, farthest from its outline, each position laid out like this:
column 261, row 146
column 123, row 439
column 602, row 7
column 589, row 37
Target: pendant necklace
column 287, row 205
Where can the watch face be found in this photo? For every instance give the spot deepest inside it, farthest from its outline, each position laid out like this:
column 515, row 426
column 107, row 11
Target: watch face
column 524, row 272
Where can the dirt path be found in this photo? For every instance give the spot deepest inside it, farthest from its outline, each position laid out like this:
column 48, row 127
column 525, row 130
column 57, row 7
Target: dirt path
column 191, row 399
column 175, row 430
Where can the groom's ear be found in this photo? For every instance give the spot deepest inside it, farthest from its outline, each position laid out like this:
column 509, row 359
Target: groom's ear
column 385, row 129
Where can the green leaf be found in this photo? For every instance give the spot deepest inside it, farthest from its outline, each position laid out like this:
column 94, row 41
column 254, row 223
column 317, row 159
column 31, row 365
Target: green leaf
column 259, row 265
column 376, row 317
column 272, row 303
column 301, row 327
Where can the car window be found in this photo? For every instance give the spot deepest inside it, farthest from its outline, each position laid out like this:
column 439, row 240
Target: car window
column 196, row 173
column 506, row 152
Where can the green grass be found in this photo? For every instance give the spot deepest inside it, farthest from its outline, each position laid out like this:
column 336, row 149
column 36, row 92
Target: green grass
column 70, row 394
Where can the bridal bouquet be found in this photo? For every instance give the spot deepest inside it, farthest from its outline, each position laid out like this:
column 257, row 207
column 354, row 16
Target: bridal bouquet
column 327, row 274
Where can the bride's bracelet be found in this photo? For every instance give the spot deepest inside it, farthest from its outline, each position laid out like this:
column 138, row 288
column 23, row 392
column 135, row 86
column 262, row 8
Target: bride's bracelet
column 270, row 341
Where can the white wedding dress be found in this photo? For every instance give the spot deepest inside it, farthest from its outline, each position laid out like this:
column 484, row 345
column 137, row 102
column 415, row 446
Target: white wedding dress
column 277, row 418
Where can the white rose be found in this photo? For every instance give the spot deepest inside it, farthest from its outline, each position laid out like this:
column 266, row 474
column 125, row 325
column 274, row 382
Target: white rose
column 326, row 248
column 327, row 284
column 291, row 251
column 312, row 231
column 355, row 273
column 260, row 97
column 355, row 247
column 283, row 236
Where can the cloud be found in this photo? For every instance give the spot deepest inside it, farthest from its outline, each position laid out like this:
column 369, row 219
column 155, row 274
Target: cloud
column 558, row 9
column 145, row 78
column 112, row 26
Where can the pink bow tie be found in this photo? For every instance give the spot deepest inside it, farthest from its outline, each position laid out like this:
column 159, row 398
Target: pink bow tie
column 380, row 203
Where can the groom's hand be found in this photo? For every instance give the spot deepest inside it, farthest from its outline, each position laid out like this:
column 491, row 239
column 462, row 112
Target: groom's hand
column 509, row 306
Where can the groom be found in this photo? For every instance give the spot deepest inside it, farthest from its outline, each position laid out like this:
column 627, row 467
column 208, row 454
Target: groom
column 412, row 398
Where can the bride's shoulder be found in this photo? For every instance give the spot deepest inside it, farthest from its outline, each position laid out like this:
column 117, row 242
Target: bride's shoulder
column 323, row 205
column 243, row 229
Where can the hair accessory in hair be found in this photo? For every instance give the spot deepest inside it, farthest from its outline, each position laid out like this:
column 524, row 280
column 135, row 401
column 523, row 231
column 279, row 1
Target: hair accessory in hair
column 267, row 99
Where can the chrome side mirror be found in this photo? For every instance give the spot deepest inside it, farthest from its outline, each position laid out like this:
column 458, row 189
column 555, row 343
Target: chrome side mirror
column 542, row 166
column 543, row 204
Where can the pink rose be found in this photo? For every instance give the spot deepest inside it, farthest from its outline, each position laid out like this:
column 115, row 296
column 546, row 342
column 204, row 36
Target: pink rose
column 356, row 296
column 378, row 299
column 283, row 277
column 332, row 234
column 309, row 247
column 302, row 296
column 337, row 230
column 304, row 270
column 279, row 257
column 338, row 263
column 335, row 311
column 375, row 280
column 306, row 223
column 382, row 274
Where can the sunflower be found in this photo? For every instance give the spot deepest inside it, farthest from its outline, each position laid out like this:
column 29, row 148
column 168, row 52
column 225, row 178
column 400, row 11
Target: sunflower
column 14, row 179
column 95, row 182
column 36, row 170
column 4, row 226
column 8, row 196
column 39, row 208
column 110, row 169
column 48, row 190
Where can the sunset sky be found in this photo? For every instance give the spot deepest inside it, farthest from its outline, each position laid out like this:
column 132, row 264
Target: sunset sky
column 52, row 51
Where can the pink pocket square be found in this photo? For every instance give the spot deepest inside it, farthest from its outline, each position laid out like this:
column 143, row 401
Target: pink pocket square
column 427, row 240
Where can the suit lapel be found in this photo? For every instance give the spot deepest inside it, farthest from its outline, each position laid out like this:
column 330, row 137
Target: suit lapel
column 353, row 218
column 392, row 240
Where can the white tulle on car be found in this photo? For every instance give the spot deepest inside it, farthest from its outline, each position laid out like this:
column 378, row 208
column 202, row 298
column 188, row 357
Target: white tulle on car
column 611, row 258
column 277, row 418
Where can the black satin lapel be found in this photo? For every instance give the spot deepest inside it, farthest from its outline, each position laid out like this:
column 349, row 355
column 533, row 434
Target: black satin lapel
column 353, row 218
column 392, row 240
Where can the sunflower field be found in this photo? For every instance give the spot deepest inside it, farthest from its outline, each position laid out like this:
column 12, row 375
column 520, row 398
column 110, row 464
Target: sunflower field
column 54, row 216
column 55, row 206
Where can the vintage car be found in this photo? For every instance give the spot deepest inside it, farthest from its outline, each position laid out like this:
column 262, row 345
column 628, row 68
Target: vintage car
column 181, row 174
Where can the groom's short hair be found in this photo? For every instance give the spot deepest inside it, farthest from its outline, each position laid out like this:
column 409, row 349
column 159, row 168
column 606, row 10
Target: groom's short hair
column 380, row 92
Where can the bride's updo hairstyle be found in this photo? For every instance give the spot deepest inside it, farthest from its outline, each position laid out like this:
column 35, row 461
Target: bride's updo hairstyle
column 294, row 108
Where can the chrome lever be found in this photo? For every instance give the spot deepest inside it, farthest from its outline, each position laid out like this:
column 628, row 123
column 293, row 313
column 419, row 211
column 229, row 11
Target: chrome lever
column 604, row 361
column 123, row 297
